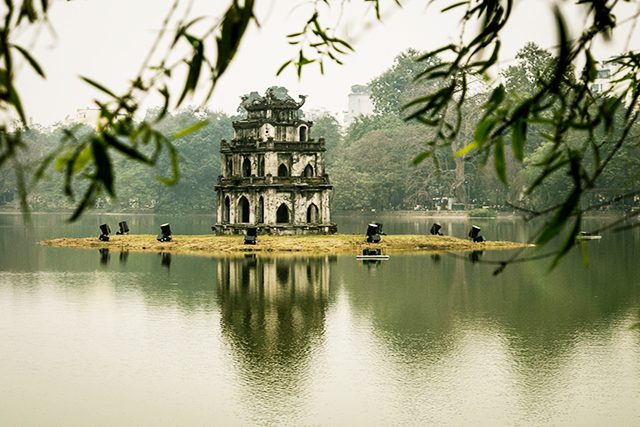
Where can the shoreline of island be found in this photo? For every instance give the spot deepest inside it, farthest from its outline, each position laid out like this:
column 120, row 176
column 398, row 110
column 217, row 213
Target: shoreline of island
column 212, row 245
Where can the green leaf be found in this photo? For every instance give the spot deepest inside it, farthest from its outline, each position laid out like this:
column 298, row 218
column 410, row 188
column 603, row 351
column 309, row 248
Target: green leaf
column 175, row 171
column 234, row 24
column 99, row 87
column 166, row 96
column 84, row 203
column 492, row 59
column 195, row 66
column 496, row 98
column 128, row 151
column 283, row 66
column 518, row 138
column 34, row 64
column 104, row 171
column 82, row 159
column 343, row 43
column 68, row 162
column 564, row 54
column 590, row 67
column 453, row 6
column 559, row 220
column 14, row 100
column 483, row 129
column 433, row 53
column 466, row 149
column 421, row 157
column 569, row 243
column 499, row 161
column 27, row 10
column 189, row 130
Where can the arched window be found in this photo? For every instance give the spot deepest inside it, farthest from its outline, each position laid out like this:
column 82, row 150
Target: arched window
column 226, row 210
column 303, row 133
column 229, row 167
column 246, row 167
column 243, row 210
column 308, row 171
column 261, row 166
column 260, row 213
column 312, row 214
column 283, row 171
column 282, row 214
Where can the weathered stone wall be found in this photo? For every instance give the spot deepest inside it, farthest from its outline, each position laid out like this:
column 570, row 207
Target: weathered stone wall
column 269, row 138
column 267, row 131
column 295, row 163
column 297, row 202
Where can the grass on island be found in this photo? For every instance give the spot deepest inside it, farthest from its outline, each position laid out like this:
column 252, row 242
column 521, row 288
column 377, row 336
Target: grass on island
column 307, row 244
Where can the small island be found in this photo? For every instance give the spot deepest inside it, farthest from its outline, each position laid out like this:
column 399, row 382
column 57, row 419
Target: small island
column 270, row 244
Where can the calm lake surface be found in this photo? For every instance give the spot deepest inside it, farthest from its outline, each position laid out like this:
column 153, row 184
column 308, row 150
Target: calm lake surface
column 111, row 338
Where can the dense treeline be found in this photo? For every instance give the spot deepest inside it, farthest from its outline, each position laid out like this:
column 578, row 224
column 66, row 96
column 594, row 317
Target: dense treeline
column 138, row 186
column 372, row 167
column 371, row 163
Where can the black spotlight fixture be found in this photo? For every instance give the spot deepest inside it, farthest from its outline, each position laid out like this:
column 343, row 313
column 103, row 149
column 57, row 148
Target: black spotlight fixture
column 250, row 237
column 373, row 233
column 371, row 251
column 435, row 229
column 165, row 233
column 105, row 230
column 124, row 228
column 474, row 234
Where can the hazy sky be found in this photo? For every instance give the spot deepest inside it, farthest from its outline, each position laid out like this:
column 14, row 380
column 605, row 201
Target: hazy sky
column 108, row 40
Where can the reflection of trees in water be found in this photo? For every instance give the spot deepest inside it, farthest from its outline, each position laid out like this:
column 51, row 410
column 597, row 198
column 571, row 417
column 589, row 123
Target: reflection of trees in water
column 411, row 318
column 423, row 309
column 166, row 280
column 273, row 314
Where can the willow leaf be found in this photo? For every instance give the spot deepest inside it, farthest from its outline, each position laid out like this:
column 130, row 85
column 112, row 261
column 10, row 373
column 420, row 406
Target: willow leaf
column 104, row 170
column 499, row 162
column 34, row 64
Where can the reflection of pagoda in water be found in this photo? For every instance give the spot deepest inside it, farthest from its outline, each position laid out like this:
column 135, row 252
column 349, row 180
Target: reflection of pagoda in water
column 272, row 313
column 275, row 280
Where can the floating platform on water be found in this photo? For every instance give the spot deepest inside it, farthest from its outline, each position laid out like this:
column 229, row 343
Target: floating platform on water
column 587, row 236
column 372, row 254
column 579, row 238
column 300, row 244
column 372, row 257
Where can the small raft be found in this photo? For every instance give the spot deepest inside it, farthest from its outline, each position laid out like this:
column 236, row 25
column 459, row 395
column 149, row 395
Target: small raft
column 583, row 235
column 372, row 254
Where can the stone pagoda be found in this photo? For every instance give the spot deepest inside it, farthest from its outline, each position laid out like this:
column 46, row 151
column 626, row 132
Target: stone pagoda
column 272, row 171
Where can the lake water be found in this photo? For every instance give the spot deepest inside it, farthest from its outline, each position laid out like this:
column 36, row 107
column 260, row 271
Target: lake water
column 111, row 338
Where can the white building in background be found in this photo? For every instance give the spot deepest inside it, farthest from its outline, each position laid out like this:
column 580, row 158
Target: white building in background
column 603, row 82
column 360, row 103
column 609, row 81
